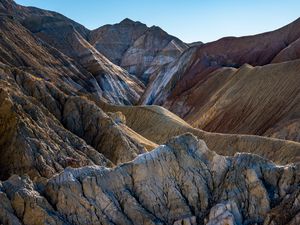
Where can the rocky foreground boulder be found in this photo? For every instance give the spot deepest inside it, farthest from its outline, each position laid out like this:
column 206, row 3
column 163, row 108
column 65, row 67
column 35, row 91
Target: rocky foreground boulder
column 180, row 182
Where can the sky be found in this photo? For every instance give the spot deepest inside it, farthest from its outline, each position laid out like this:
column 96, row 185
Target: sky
column 189, row 20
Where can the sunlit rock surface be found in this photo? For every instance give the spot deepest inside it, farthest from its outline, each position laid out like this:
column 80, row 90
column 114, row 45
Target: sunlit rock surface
column 181, row 182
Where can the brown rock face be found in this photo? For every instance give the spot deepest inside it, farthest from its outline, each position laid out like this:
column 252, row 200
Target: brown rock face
column 33, row 141
column 262, row 105
column 43, row 127
column 158, row 125
column 291, row 52
column 136, row 47
column 181, row 182
column 154, row 48
column 268, row 101
column 45, row 124
column 21, row 49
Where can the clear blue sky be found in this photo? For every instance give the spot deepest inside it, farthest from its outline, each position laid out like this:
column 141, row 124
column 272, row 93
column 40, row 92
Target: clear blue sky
column 189, row 20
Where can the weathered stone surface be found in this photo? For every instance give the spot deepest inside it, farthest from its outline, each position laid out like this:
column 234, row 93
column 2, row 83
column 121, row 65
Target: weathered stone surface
column 28, row 204
column 180, row 182
column 104, row 79
column 49, row 124
column 154, row 48
column 252, row 100
column 46, row 122
column 113, row 83
column 7, row 215
column 291, row 52
column 33, row 141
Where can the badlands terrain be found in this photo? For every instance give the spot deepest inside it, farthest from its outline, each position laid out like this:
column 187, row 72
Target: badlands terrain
column 127, row 124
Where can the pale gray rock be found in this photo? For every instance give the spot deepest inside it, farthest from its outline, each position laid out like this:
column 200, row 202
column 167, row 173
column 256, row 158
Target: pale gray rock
column 177, row 183
column 27, row 204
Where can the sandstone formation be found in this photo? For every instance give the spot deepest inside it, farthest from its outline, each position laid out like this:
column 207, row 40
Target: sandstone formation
column 181, row 182
column 32, row 140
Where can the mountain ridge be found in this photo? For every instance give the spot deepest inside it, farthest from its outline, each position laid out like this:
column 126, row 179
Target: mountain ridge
column 186, row 85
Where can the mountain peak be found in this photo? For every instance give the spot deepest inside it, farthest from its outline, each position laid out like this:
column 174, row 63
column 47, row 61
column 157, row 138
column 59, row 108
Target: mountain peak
column 127, row 21
column 130, row 22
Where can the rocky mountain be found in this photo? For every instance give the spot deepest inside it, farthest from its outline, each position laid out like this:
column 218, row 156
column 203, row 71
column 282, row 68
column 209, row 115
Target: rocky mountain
column 43, row 109
column 235, row 85
column 114, row 40
column 74, row 149
column 137, row 48
column 110, row 82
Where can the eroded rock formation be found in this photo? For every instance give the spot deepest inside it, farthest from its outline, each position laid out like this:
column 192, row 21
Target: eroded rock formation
column 181, row 182
column 105, row 79
column 68, row 156
column 235, row 85
column 42, row 127
column 46, row 122
column 158, row 125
